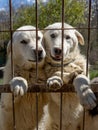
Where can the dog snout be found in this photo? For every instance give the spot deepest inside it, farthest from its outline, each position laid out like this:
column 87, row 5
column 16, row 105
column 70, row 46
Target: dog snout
column 57, row 51
column 38, row 52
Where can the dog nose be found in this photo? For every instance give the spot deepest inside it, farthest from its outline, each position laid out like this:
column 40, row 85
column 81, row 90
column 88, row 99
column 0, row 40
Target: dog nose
column 39, row 52
column 57, row 51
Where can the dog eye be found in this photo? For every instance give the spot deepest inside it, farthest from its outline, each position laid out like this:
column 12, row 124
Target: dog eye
column 53, row 35
column 67, row 37
column 24, row 42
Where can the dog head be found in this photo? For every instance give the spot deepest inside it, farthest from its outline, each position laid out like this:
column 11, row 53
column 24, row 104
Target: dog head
column 24, row 47
column 53, row 41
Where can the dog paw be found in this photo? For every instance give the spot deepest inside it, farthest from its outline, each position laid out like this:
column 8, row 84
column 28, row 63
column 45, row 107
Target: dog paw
column 18, row 86
column 87, row 97
column 54, row 83
column 84, row 92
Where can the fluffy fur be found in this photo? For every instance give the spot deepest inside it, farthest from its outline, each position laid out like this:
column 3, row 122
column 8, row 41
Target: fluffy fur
column 74, row 71
column 24, row 60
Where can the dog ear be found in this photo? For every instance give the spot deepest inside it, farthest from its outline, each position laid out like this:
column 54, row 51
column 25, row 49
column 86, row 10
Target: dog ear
column 80, row 37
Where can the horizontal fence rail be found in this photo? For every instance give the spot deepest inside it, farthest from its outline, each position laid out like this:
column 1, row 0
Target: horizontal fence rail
column 43, row 88
column 81, row 28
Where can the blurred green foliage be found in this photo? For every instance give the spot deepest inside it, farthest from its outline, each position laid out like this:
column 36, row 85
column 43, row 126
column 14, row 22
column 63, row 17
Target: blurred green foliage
column 93, row 73
column 49, row 13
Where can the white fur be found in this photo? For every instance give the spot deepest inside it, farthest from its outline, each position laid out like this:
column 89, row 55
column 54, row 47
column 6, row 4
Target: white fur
column 74, row 72
column 24, row 62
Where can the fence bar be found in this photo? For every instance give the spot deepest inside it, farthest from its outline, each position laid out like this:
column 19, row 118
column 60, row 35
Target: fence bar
column 88, row 51
column 88, row 43
column 41, row 29
column 36, row 8
column 12, row 64
column 61, row 94
column 43, row 88
column 62, row 38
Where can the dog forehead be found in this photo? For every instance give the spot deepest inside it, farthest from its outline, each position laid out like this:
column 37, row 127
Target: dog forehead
column 57, row 28
column 58, row 25
column 69, row 32
column 26, row 32
column 30, row 29
column 27, row 27
column 20, row 35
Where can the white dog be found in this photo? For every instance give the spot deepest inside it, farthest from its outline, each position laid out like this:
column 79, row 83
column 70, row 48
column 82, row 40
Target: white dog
column 74, row 71
column 24, row 61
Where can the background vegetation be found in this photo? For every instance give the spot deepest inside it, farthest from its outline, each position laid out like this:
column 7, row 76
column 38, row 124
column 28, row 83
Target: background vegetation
column 50, row 12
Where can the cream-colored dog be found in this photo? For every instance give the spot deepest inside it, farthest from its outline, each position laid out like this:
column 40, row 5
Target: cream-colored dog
column 74, row 71
column 24, row 60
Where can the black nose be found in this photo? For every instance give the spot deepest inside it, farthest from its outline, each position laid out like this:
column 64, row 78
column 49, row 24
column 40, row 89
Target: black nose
column 39, row 52
column 57, row 51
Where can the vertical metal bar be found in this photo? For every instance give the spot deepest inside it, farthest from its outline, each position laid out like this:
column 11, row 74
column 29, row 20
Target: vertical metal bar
column 61, row 106
column 96, row 21
column 36, row 111
column 88, row 51
column 61, row 94
column 88, row 43
column 36, row 10
column 12, row 63
column 62, row 37
column 11, row 33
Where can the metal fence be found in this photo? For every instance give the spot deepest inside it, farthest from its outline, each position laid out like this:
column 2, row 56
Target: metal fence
column 36, row 88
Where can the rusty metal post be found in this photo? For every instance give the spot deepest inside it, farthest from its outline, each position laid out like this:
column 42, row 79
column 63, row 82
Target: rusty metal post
column 12, row 63
column 61, row 94
column 87, row 51
column 36, row 10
